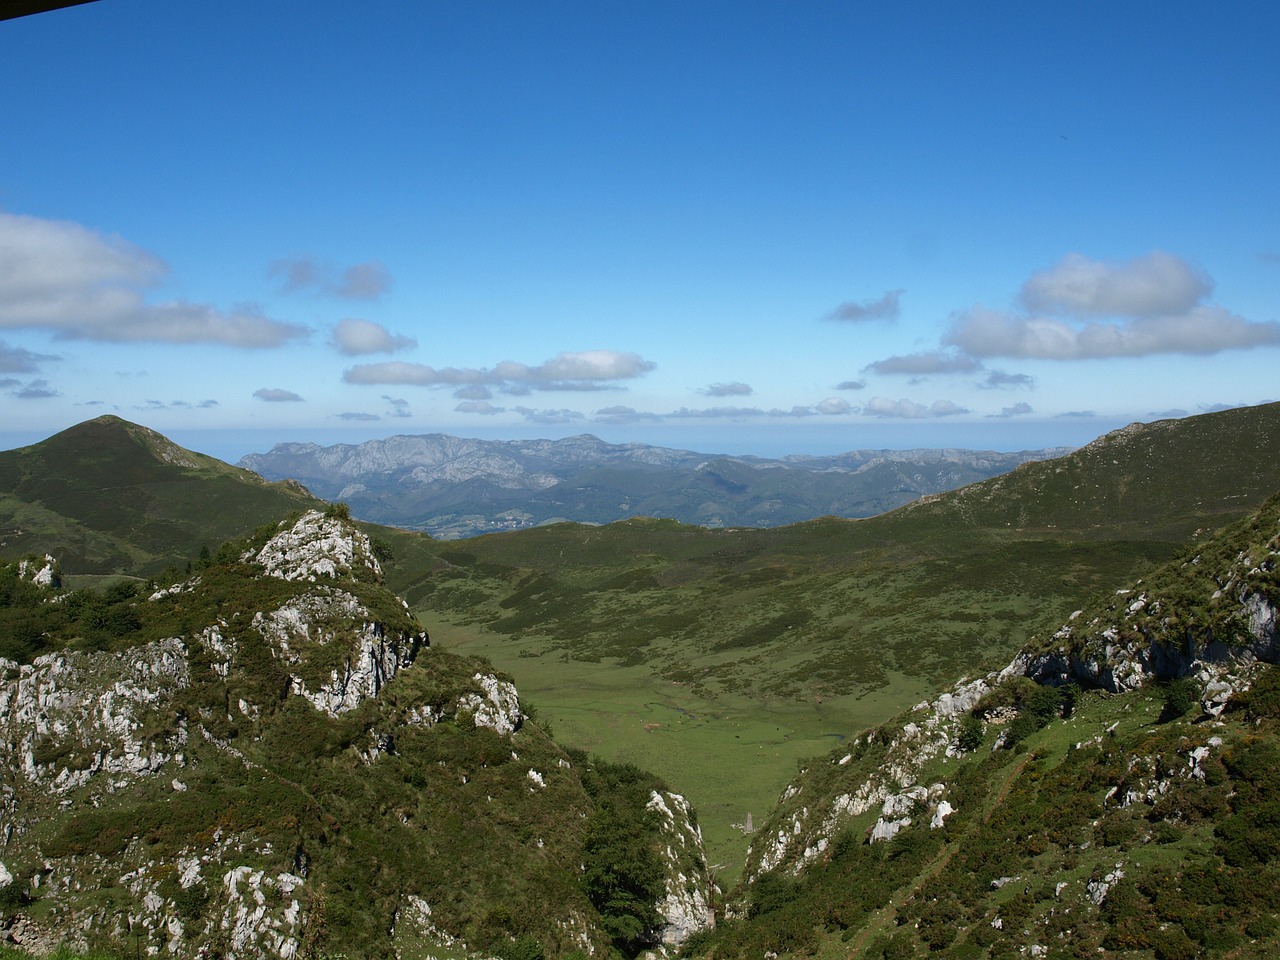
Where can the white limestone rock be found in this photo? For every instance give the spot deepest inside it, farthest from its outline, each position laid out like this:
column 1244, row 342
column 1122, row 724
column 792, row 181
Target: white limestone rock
column 688, row 904
column 68, row 717
column 499, row 707
column 325, row 616
column 317, row 546
column 43, row 572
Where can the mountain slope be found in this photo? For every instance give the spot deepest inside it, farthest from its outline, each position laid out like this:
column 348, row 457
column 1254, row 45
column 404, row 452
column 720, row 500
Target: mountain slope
column 1007, row 818
column 109, row 496
column 271, row 761
column 678, row 640
column 453, row 487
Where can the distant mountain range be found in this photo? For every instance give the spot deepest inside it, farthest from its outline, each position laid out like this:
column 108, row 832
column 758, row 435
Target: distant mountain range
column 452, row 487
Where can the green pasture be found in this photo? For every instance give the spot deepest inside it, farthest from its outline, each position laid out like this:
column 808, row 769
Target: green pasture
column 730, row 754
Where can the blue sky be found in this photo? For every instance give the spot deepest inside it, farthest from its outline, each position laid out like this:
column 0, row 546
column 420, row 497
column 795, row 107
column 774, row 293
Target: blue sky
column 739, row 227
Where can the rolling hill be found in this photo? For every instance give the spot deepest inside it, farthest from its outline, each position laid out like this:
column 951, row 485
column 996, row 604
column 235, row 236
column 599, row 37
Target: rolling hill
column 1125, row 809
column 720, row 658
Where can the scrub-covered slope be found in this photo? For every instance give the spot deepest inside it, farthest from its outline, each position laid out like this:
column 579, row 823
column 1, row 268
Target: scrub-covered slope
column 1131, row 810
column 271, row 761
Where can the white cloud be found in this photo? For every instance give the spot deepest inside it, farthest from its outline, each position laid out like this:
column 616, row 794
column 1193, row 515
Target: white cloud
column 364, row 281
column 60, row 276
column 619, row 414
column 179, row 405
column 909, row 409
column 734, row 389
column 549, row 416
column 997, row 379
column 399, row 406
column 1201, row 330
column 716, row 413
column 917, row 364
column 586, row 370
column 276, row 395
column 474, row 392
column 851, row 385
column 1154, row 302
column 353, row 336
column 886, row 308
column 793, row 412
column 1153, row 285
column 359, row 416
column 33, row 390
column 833, row 406
column 482, row 407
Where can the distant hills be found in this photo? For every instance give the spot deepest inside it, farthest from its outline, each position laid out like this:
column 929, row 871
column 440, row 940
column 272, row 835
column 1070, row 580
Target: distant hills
column 452, row 487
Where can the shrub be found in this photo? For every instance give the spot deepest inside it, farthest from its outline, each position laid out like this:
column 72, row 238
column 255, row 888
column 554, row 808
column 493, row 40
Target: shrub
column 971, row 732
column 1179, row 697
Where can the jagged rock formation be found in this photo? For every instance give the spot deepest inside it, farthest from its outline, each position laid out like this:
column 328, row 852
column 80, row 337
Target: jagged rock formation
column 270, row 776
column 688, row 906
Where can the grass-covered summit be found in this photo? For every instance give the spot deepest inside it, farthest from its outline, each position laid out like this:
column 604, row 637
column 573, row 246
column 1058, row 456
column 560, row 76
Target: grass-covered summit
column 108, row 496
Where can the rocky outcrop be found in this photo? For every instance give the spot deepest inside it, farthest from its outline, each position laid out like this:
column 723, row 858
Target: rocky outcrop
column 1142, row 635
column 315, row 546
column 69, row 717
column 805, row 830
column 689, row 905
column 498, row 708
column 327, row 616
column 42, row 571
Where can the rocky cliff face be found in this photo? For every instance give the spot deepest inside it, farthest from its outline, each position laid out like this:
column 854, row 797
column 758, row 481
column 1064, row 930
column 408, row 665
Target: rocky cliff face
column 1211, row 617
column 288, row 771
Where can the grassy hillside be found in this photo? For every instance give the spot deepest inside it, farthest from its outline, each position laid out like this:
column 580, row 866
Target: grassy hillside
column 1071, row 820
column 721, row 658
column 109, row 496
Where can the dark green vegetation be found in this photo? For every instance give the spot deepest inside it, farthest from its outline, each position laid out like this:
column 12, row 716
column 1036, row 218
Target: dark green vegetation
column 452, row 487
column 1084, row 822
column 108, row 496
column 811, row 624
column 1034, row 827
column 398, row 798
column 719, row 658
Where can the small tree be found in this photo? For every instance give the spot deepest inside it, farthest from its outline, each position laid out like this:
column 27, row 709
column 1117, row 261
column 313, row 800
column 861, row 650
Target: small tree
column 1179, row 697
column 971, row 732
